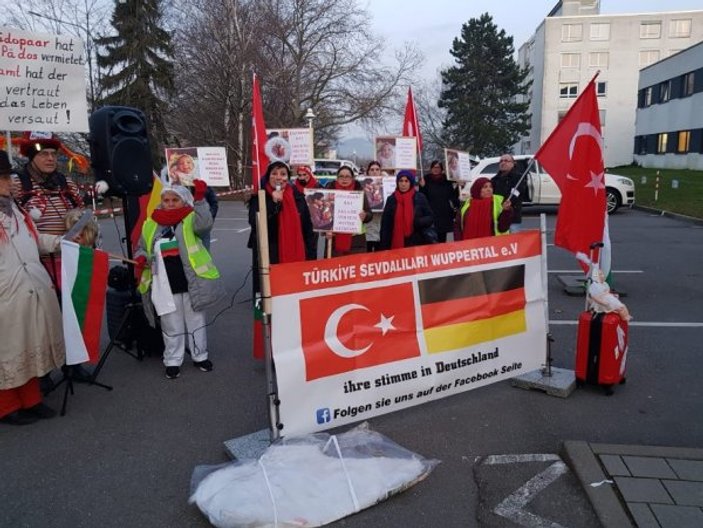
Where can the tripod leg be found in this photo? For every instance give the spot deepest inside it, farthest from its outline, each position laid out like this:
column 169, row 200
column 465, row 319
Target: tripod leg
column 69, row 387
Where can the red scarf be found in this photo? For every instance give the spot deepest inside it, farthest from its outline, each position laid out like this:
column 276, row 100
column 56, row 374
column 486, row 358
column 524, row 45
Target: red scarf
column 478, row 220
column 343, row 241
column 404, row 217
column 311, row 184
column 291, row 247
column 170, row 217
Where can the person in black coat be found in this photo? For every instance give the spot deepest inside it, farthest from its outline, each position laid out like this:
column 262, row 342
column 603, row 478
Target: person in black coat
column 407, row 218
column 443, row 197
column 290, row 234
column 504, row 182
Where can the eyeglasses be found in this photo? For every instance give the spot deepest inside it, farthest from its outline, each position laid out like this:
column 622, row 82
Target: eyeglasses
column 344, row 176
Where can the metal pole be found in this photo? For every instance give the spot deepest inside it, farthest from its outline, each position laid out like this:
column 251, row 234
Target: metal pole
column 547, row 371
column 8, row 144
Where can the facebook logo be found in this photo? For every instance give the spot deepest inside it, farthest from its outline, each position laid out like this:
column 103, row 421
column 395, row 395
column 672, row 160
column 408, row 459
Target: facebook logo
column 323, row 415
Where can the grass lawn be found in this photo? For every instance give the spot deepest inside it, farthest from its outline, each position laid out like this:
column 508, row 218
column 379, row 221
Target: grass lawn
column 687, row 199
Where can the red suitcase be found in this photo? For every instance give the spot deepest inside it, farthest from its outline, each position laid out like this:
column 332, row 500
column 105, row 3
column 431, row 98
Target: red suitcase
column 601, row 350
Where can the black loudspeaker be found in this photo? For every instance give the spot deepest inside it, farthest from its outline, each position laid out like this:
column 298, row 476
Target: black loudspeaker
column 120, row 150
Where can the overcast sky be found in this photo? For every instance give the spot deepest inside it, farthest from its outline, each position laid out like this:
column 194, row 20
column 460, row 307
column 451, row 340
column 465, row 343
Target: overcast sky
column 433, row 24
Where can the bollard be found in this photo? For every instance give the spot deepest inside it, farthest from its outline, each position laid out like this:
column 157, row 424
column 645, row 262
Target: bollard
column 656, row 187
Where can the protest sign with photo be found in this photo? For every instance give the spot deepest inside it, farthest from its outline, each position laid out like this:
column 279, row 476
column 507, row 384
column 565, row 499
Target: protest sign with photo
column 43, row 82
column 367, row 334
column 458, row 165
column 290, row 145
column 335, row 211
column 396, row 152
column 377, row 190
column 198, row 163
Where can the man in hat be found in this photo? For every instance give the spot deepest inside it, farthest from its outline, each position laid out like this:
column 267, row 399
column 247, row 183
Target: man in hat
column 28, row 298
column 43, row 191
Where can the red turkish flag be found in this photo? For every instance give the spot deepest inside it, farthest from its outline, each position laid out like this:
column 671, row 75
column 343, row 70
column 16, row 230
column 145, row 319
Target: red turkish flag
column 411, row 126
column 353, row 330
column 573, row 156
column 259, row 160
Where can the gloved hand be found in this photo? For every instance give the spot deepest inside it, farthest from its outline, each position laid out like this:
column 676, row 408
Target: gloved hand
column 199, row 191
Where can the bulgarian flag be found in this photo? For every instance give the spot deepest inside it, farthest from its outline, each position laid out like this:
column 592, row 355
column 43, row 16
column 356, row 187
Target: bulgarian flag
column 84, row 282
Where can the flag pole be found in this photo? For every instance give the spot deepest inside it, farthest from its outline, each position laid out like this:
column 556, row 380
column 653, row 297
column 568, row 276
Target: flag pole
column 527, row 169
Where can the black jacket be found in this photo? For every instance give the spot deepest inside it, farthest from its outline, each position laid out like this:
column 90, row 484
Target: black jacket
column 424, row 220
column 443, row 198
column 503, row 183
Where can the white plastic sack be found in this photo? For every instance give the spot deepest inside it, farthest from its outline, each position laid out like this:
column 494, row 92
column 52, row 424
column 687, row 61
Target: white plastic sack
column 303, row 481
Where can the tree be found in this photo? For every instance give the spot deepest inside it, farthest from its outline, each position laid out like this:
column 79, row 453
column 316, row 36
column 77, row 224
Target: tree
column 138, row 63
column 480, row 92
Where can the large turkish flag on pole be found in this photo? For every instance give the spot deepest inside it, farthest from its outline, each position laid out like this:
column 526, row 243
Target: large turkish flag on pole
column 573, row 156
column 411, row 126
column 259, row 160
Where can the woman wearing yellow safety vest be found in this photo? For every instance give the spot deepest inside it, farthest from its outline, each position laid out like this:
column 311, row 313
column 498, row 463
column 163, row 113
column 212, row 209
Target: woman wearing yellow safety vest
column 177, row 274
column 485, row 214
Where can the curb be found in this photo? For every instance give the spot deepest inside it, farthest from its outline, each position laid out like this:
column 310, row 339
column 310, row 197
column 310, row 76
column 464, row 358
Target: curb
column 605, row 501
column 669, row 214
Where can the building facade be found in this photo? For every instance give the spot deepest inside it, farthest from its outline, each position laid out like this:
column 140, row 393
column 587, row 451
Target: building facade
column 574, row 42
column 669, row 123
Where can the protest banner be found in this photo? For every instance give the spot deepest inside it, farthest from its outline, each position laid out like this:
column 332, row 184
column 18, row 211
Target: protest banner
column 396, row 152
column 335, row 211
column 43, row 82
column 198, row 163
column 458, row 165
column 373, row 333
column 291, row 145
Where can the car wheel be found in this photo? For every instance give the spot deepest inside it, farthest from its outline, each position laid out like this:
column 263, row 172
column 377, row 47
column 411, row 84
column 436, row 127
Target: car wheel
column 612, row 200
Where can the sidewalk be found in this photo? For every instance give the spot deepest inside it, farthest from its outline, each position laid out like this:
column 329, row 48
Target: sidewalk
column 656, row 487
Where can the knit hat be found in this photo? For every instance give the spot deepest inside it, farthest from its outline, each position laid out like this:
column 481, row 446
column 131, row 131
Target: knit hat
column 405, row 174
column 33, row 142
column 305, row 169
column 476, row 187
column 182, row 192
column 5, row 166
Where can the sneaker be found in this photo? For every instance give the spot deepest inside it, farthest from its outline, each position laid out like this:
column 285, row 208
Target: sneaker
column 173, row 372
column 41, row 411
column 205, row 365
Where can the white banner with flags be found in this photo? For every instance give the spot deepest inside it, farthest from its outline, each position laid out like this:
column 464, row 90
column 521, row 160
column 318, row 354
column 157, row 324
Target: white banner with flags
column 43, row 82
column 363, row 335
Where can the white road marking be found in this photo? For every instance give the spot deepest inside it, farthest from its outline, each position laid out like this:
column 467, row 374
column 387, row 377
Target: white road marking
column 512, row 507
column 579, row 272
column 653, row 324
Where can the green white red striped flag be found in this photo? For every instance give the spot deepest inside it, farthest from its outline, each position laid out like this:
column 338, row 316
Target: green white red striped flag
column 83, row 285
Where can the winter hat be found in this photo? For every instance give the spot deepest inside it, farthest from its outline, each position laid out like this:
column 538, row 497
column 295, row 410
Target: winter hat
column 182, row 192
column 305, row 169
column 33, row 142
column 405, row 174
column 476, row 187
column 5, row 166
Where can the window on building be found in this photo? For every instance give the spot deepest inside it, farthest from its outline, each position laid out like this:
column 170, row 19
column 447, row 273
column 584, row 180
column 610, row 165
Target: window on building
column 650, row 30
column 688, row 84
column 601, row 88
column 684, row 142
column 648, row 57
column 568, row 90
column 570, row 60
column 648, row 96
column 572, row 32
column 680, row 28
column 598, row 59
column 662, row 140
column 664, row 91
column 600, row 31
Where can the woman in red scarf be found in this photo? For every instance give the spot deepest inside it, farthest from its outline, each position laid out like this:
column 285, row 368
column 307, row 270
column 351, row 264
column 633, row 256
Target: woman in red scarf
column 345, row 243
column 407, row 218
column 290, row 234
column 485, row 214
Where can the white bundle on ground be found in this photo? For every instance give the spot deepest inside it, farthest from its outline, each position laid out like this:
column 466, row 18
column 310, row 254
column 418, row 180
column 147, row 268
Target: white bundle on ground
column 304, row 481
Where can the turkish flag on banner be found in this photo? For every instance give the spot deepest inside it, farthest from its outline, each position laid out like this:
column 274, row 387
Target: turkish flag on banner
column 358, row 329
column 259, row 160
column 411, row 126
column 573, row 156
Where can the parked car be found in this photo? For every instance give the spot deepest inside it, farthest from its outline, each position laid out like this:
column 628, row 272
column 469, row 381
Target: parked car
column 325, row 170
column 543, row 190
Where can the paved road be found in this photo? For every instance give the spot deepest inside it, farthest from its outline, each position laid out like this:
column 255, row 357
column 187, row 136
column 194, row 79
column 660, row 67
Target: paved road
column 124, row 458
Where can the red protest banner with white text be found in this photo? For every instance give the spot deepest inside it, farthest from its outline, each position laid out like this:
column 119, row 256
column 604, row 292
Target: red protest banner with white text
column 368, row 334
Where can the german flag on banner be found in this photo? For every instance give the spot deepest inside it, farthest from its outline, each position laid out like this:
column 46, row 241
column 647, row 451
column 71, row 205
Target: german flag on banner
column 463, row 310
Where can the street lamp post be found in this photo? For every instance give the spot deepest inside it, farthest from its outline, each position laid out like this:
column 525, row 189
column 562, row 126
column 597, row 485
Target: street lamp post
column 310, row 116
column 88, row 48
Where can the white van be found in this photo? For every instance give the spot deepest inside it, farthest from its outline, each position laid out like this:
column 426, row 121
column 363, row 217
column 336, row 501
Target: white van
column 329, row 167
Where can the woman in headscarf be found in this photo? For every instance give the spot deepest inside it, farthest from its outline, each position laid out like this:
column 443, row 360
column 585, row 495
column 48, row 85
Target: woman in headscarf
column 346, row 243
column 485, row 214
column 443, row 196
column 407, row 218
column 290, row 234
column 305, row 179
